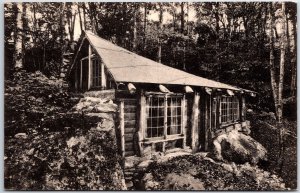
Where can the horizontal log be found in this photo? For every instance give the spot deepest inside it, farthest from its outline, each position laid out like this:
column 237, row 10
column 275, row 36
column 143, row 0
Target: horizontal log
column 129, row 146
column 130, row 123
column 129, row 130
column 129, row 116
column 128, row 137
column 130, row 102
column 129, row 153
column 130, row 109
column 131, row 105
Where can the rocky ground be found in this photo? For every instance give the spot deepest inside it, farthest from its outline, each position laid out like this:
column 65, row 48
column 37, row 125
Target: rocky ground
column 196, row 172
column 232, row 166
column 53, row 144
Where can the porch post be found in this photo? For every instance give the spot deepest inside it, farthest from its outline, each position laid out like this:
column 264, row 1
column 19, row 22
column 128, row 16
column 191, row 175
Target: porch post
column 184, row 119
column 142, row 123
column 195, row 121
column 122, row 128
column 165, row 122
column 103, row 77
column 242, row 108
column 90, row 69
column 206, row 121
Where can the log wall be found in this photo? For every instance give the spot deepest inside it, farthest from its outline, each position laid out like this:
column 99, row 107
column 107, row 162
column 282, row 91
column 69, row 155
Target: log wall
column 130, row 124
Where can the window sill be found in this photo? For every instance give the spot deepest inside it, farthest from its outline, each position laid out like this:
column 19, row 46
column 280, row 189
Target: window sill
column 163, row 139
column 228, row 124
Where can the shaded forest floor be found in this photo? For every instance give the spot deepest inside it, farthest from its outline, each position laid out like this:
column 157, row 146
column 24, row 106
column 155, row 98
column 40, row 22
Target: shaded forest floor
column 265, row 130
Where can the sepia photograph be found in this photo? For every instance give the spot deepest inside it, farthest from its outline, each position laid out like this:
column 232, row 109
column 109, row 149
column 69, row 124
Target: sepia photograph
column 150, row 96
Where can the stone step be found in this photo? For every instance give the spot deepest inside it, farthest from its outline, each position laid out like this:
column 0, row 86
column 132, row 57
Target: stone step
column 129, row 185
column 128, row 174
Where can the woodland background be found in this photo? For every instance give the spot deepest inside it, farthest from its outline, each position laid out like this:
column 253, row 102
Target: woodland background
column 250, row 45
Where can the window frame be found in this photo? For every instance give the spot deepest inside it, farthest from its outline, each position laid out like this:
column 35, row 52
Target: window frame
column 166, row 108
column 231, row 113
column 98, row 63
column 93, row 58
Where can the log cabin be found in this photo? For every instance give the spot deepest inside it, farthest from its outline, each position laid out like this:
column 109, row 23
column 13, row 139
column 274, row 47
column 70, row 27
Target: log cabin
column 160, row 107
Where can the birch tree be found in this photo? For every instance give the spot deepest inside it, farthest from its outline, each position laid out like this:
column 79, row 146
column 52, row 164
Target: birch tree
column 283, row 42
column 18, row 55
column 277, row 88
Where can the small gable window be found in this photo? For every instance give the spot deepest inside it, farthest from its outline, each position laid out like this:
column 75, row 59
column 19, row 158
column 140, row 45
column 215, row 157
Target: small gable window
column 96, row 68
column 90, row 73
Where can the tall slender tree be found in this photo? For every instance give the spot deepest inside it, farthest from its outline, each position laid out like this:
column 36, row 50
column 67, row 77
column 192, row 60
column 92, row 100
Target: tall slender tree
column 18, row 55
column 79, row 15
column 272, row 58
column 160, row 24
column 283, row 42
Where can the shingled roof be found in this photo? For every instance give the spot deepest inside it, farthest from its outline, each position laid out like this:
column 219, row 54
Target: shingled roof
column 126, row 66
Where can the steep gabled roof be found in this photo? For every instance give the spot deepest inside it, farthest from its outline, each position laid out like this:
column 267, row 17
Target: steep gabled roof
column 126, row 66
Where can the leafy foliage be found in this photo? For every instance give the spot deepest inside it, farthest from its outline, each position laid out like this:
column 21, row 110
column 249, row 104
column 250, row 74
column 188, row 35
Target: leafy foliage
column 30, row 98
column 47, row 148
column 51, row 161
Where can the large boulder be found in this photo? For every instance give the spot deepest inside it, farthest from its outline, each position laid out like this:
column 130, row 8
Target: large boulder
column 96, row 105
column 239, row 148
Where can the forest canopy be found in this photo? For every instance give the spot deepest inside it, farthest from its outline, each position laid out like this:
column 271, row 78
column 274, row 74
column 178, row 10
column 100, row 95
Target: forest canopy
column 250, row 45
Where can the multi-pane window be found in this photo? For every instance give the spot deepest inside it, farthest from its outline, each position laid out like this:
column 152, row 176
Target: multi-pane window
column 163, row 113
column 155, row 116
column 174, row 116
column 96, row 67
column 229, row 109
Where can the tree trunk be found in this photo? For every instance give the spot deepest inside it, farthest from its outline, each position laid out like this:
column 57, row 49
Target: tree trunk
column 18, row 55
column 62, row 42
column 160, row 32
column 79, row 15
column 84, row 15
column 272, row 65
column 288, row 45
column 93, row 16
column 217, row 40
column 245, row 22
column 283, row 42
column 134, row 42
column 34, row 23
column 294, row 59
column 182, row 17
column 145, row 24
column 71, row 23
column 282, row 64
column 73, row 26
column 187, row 18
column 174, row 15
